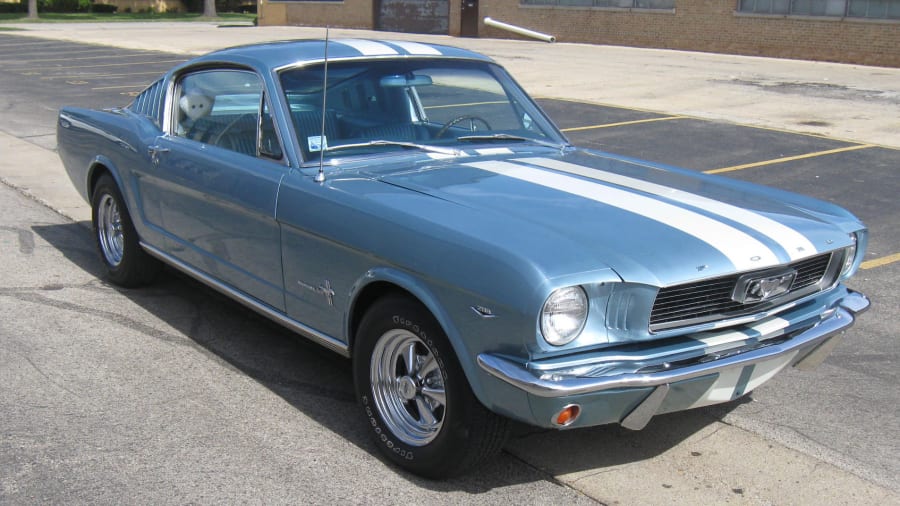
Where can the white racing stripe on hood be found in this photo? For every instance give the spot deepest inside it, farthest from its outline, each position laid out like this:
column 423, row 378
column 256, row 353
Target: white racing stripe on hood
column 744, row 252
column 794, row 243
column 367, row 47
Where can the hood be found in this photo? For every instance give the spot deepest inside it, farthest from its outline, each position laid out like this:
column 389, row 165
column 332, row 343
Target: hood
column 580, row 211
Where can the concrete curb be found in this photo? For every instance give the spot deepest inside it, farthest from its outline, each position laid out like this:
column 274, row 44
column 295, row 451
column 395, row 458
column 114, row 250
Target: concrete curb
column 843, row 101
column 39, row 174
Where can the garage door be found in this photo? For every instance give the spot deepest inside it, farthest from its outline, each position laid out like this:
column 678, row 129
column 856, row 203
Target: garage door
column 414, row 16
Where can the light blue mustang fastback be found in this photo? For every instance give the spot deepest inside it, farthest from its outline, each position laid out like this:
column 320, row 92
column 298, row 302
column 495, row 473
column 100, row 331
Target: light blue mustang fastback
column 409, row 206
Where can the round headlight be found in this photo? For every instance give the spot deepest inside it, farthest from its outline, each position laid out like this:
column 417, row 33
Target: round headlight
column 564, row 315
column 849, row 256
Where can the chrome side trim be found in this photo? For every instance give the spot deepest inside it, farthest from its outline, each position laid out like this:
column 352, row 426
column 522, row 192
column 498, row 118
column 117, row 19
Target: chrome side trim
column 810, row 344
column 270, row 313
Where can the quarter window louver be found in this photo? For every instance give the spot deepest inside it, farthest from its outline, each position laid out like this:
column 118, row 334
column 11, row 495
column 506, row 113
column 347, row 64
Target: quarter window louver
column 149, row 102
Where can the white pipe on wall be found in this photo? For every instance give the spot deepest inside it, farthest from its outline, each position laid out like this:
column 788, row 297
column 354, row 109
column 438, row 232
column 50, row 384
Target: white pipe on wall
column 518, row 29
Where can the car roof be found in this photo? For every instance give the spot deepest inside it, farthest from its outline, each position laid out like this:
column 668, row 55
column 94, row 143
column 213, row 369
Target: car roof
column 281, row 54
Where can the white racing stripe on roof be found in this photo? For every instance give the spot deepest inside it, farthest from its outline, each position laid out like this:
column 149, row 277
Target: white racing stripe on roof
column 744, row 252
column 794, row 243
column 415, row 47
column 367, row 47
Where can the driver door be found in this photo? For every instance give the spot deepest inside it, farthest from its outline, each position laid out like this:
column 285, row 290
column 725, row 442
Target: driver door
column 217, row 189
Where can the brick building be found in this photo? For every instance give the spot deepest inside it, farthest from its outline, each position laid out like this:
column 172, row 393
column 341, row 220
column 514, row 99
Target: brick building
column 851, row 31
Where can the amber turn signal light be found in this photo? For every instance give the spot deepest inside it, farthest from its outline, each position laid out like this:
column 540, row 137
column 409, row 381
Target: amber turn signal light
column 567, row 415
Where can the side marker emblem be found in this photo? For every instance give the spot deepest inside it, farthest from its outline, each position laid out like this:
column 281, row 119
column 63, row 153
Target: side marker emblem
column 483, row 312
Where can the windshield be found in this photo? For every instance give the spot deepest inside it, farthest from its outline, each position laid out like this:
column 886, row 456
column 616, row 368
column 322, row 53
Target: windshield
column 423, row 104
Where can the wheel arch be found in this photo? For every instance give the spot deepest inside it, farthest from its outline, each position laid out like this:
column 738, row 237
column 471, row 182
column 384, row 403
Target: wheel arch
column 380, row 283
column 98, row 167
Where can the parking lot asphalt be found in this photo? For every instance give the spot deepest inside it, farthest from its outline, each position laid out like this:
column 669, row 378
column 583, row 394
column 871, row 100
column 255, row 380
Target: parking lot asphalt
column 844, row 415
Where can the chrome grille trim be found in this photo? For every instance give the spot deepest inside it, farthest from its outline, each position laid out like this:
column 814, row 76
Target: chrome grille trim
column 710, row 299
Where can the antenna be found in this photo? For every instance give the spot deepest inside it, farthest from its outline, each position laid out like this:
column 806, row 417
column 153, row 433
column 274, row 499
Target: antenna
column 320, row 177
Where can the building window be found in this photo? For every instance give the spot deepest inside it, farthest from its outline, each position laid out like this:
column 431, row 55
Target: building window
column 872, row 9
column 615, row 4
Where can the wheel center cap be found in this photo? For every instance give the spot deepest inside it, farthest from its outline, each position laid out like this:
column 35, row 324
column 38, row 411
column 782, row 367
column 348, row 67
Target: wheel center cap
column 406, row 387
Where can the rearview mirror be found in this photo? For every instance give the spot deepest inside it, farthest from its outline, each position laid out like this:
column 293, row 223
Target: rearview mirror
column 399, row 81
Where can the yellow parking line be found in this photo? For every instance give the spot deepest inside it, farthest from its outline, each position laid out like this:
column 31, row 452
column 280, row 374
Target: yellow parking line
column 601, row 104
column 32, row 69
column 788, row 159
column 879, row 262
column 43, row 60
column 105, row 76
column 20, row 44
column 621, row 123
column 120, row 87
column 709, row 120
column 466, row 105
column 73, row 57
column 80, row 51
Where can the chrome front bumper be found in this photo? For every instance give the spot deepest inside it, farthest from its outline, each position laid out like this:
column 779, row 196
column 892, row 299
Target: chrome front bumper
column 809, row 348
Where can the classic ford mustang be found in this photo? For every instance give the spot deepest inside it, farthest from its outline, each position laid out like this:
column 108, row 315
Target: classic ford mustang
column 408, row 205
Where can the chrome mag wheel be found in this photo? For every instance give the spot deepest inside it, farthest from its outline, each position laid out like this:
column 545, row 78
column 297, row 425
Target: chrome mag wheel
column 407, row 387
column 417, row 403
column 117, row 240
column 109, row 230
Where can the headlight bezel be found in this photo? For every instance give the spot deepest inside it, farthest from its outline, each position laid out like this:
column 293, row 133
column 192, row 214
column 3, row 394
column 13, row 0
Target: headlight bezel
column 850, row 253
column 564, row 315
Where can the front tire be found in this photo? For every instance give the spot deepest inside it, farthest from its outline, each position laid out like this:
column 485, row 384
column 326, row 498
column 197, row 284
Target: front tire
column 414, row 395
column 126, row 263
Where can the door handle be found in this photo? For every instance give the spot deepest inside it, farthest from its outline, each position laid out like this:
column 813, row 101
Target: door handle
column 155, row 151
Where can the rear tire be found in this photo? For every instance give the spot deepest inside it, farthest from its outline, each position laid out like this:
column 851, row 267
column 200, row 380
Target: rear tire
column 126, row 263
column 414, row 396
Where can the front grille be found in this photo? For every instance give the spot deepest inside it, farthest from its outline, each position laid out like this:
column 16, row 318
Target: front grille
column 710, row 299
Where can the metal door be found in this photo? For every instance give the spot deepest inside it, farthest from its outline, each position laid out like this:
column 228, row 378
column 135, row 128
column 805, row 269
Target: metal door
column 468, row 21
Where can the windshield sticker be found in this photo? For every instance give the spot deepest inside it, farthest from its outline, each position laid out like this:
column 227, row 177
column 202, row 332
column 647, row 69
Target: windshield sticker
column 494, row 151
column 317, row 142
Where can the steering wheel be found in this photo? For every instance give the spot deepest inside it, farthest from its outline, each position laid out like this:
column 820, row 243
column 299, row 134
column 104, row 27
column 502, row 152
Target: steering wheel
column 229, row 126
column 472, row 119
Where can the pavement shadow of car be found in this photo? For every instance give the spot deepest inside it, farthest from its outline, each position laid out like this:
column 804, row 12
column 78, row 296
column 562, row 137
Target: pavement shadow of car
column 608, row 446
column 319, row 383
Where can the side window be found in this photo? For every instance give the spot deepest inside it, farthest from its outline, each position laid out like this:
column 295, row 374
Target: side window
column 221, row 108
column 269, row 146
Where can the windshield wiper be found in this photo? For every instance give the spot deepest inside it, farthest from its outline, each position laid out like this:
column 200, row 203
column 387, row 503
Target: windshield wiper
column 402, row 144
column 509, row 137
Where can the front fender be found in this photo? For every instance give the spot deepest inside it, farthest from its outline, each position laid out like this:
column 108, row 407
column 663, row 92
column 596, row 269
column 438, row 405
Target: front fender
column 469, row 332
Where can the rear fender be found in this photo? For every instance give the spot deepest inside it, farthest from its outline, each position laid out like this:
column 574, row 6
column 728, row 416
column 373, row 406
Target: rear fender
column 102, row 165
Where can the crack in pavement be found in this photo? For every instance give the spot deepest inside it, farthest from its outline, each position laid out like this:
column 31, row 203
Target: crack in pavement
column 262, row 376
column 822, row 90
column 31, row 295
column 41, row 372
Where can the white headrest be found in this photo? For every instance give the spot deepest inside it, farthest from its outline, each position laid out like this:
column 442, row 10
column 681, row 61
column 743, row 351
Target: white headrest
column 195, row 106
